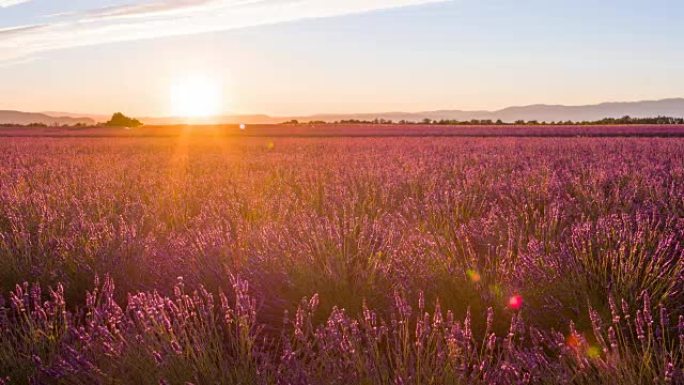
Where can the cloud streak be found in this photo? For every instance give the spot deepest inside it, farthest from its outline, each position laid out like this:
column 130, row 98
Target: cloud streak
column 148, row 9
column 163, row 18
column 11, row 3
column 5, row 32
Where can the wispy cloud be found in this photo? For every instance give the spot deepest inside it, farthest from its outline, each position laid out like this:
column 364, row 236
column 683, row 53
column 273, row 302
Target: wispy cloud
column 5, row 32
column 9, row 3
column 173, row 17
column 148, row 9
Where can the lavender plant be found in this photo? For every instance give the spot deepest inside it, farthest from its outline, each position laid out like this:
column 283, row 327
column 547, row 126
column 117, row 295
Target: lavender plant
column 421, row 260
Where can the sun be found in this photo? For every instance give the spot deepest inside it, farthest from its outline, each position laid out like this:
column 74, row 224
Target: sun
column 196, row 97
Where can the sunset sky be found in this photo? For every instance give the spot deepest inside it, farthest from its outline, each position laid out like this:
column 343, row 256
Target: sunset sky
column 293, row 57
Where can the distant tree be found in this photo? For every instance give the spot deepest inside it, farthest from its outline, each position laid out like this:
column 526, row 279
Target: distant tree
column 121, row 120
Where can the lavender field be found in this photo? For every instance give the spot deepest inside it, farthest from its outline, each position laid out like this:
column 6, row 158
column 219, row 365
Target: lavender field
column 275, row 260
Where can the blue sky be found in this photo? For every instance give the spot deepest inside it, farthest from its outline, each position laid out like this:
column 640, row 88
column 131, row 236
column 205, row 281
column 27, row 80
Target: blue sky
column 288, row 57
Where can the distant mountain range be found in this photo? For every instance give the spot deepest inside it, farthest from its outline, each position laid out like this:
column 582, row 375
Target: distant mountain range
column 540, row 112
column 19, row 117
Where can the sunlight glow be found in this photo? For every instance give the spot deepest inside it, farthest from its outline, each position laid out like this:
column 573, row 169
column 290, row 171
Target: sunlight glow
column 196, row 97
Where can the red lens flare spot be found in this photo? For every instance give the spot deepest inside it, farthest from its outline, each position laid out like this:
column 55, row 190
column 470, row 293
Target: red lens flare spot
column 573, row 342
column 515, row 302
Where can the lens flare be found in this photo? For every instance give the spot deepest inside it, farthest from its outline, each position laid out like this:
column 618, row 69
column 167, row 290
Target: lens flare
column 515, row 302
column 593, row 352
column 474, row 276
column 573, row 342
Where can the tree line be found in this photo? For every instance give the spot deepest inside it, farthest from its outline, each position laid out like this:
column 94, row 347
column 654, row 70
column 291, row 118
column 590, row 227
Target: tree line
column 625, row 120
column 117, row 120
column 120, row 120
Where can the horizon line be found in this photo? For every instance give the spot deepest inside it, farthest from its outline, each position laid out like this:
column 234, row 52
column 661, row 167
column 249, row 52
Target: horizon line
column 314, row 114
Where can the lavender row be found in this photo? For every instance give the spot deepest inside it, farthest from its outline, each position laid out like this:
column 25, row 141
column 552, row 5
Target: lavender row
column 197, row 338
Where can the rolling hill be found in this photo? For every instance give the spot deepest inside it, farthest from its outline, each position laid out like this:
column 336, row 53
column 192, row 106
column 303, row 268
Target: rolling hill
column 19, row 117
column 541, row 112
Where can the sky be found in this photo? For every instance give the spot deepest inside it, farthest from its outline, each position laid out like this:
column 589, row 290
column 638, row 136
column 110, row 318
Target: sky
column 299, row 57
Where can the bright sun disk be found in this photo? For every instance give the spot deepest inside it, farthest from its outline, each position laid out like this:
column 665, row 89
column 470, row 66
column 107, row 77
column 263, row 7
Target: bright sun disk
column 196, row 97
